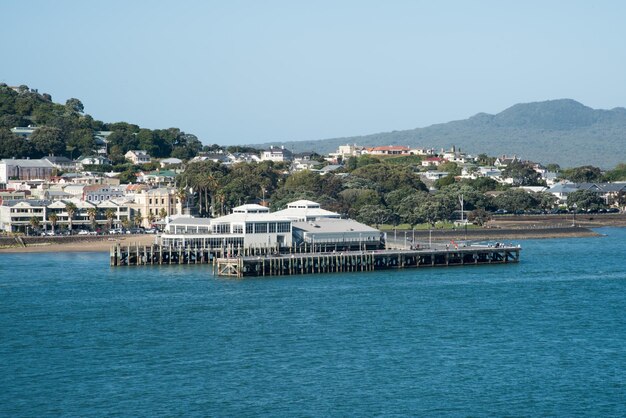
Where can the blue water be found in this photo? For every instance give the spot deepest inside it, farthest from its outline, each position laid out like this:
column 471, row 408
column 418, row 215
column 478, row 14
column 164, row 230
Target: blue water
column 544, row 337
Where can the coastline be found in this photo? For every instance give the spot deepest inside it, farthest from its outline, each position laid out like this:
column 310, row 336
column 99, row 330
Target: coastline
column 104, row 243
column 72, row 244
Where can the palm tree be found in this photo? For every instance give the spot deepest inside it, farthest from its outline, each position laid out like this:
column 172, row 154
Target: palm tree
column 109, row 214
column 138, row 219
column 181, row 195
column 150, row 218
column 34, row 223
column 53, row 218
column 162, row 213
column 92, row 213
column 70, row 208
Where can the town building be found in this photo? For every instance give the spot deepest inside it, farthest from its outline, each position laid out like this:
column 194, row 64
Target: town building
column 432, row 161
column 25, row 169
column 276, row 154
column 137, row 156
column 166, row 162
column 390, row 150
column 154, row 203
column 84, row 160
column 96, row 193
column 61, row 163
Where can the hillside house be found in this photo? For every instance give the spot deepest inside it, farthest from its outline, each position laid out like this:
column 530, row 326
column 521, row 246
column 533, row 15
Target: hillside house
column 276, row 154
column 137, row 156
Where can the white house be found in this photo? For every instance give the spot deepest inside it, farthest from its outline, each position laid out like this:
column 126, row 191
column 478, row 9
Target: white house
column 277, row 154
column 137, row 156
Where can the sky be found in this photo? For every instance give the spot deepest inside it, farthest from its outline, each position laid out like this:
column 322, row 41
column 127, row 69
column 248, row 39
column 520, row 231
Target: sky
column 243, row 72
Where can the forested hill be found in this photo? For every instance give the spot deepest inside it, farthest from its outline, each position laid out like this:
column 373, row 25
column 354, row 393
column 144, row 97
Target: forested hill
column 67, row 130
column 557, row 131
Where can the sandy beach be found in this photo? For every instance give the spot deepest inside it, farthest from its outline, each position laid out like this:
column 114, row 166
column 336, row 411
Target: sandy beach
column 94, row 244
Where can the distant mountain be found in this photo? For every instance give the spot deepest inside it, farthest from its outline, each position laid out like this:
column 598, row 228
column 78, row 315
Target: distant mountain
column 563, row 131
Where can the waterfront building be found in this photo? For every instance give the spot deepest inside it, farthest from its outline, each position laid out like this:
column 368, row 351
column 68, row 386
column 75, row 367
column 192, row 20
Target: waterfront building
column 305, row 210
column 254, row 226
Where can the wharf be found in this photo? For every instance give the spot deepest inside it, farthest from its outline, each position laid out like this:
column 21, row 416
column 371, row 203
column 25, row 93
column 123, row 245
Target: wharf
column 234, row 263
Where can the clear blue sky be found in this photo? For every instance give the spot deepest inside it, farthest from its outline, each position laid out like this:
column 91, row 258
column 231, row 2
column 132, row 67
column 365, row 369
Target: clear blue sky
column 256, row 71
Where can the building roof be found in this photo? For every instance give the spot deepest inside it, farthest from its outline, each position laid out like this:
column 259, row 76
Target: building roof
column 303, row 204
column 171, row 160
column 55, row 159
column 391, row 148
column 251, row 208
column 251, row 217
column 27, row 162
column 334, row 226
column 26, row 202
column 190, row 221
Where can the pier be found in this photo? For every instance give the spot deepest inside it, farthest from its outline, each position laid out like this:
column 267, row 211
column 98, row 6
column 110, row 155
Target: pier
column 259, row 262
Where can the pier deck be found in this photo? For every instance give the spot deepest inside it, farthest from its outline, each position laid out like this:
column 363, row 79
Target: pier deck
column 232, row 263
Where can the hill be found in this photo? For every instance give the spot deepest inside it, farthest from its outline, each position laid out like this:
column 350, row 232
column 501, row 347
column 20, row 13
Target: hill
column 65, row 130
column 562, row 131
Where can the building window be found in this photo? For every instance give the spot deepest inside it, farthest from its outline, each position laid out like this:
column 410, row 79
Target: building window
column 272, row 226
column 237, row 229
column 284, row 227
column 249, row 228
column 150, row 201
column 221, row 228
column 260, row 228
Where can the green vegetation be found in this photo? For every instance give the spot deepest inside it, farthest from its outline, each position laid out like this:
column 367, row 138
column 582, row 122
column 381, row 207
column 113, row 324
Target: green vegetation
column 374, row 191
column 66, row 130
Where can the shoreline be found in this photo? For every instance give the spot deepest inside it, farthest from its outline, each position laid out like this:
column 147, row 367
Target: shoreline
column 72, row 244
column 103, row 244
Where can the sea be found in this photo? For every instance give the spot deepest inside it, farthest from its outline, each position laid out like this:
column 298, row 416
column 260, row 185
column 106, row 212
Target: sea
column 543, row 337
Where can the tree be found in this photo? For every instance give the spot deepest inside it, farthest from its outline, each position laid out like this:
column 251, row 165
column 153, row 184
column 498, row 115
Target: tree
column 53, row 218
column 81, row 140
column 546, row 200
column 584, row 174
column 485, row 160
column 478, row 216
column 181, row 195
column 138, row 219
column 162, row 213
column 110, row 215
column 445, row 181
column 617, row 174
column 71, row 209
column 34, row 223
column 48, row 141
column 585, row 200
column 12, row 146
column 150, row 218
column 514, row 200
column 92, row 213
column 374, row 215
column 522, row 174
column 74, row 105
